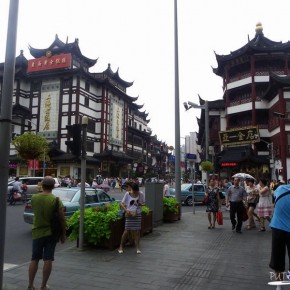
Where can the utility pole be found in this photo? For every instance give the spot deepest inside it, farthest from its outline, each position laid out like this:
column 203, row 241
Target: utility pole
column 5, row 121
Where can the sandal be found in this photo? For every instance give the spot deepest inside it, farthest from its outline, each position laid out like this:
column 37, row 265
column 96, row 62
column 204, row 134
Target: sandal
column 120, row 251
column 209, row 227
column 138, row 252
column 262, row 229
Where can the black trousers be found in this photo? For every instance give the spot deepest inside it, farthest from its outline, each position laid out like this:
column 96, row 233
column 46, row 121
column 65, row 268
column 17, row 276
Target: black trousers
column 237, row 209
column 280, row 240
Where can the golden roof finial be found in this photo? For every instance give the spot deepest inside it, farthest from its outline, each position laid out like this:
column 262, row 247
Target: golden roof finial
column 259, row 27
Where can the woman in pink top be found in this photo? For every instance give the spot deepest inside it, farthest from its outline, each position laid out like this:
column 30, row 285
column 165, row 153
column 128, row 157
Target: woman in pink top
column 265, row 205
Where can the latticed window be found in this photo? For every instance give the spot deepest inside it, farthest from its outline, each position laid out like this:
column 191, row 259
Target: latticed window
column 67, row 83
column 91, row 126
column 90, row 146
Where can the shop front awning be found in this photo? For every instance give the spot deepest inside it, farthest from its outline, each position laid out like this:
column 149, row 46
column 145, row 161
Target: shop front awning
column 239, row 154
column 71, row 158
column 235, row 154
column 114, row 155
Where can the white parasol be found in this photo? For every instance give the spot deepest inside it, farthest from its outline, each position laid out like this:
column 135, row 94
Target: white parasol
column 242, row 175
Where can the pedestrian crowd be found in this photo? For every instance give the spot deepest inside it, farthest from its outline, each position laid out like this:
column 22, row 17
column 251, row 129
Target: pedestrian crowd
column 105, row 183
column 252, row 201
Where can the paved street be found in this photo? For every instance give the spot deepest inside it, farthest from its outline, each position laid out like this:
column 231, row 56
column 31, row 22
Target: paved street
column 179, row 255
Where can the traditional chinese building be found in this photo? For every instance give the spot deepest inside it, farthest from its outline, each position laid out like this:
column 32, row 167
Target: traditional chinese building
column 56, row 88
column 253, row 121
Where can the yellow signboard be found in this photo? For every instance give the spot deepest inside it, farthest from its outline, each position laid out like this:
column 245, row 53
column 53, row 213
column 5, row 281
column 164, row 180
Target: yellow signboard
column 246, row 135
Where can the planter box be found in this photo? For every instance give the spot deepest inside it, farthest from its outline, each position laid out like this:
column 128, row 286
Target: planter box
column 172, row 217
column 146, row 224
column 117, row 229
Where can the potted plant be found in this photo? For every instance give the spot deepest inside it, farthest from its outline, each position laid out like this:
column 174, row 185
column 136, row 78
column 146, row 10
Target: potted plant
column 103, row 225
column 147, row 221
column 171, row 209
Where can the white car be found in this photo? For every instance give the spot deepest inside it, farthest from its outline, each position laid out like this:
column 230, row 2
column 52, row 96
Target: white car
column 32, row 184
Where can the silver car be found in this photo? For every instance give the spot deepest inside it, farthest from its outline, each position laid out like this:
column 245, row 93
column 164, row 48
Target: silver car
column 32, row 184
column 70, row 198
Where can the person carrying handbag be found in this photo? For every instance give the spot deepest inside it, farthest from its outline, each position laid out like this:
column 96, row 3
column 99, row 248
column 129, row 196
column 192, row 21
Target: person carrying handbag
column 132, row 205
column 43, row 240
column 213, row 203
column 252, row 200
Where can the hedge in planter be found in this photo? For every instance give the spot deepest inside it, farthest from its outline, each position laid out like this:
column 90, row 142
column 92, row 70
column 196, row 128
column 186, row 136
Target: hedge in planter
column 97, row 223
column 146, row 221
column 171, row 209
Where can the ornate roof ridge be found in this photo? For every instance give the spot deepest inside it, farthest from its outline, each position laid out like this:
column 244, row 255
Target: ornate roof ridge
column 59, row 46
column 259, row 43
column 116, row 77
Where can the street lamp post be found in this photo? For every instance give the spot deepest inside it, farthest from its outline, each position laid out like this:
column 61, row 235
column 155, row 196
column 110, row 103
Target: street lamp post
column 204, row 107
column 176, row 104
column 83, row 180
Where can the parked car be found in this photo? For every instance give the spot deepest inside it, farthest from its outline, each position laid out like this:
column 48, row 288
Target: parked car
column 186, row 193
column 70, row 198
column 32, row 184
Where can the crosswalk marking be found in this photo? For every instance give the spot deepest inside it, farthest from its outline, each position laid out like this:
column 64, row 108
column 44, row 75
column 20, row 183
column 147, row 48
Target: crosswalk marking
column 9, row 266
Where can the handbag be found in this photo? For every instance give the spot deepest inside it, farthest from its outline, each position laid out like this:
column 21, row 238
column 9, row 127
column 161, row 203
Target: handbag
column 245, row 214
column 219, row 218
column 131, row 214
column 55, row 223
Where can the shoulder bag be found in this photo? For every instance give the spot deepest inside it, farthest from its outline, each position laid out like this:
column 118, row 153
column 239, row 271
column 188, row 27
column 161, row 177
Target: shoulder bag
column 55, row 223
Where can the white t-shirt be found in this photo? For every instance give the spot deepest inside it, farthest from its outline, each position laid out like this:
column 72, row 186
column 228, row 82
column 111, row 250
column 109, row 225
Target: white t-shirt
column 166, row 190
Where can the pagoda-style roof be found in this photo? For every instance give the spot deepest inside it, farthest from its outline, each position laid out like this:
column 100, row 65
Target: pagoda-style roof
column 58, row 47
column 20, row 64
column 19, row 110
column 136, row 106
column 213, row 105
column 115, row 77
column 21, row 60
column 275, row 83
column 259, row 44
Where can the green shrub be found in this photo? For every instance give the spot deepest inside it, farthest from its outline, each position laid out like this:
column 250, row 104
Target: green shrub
column 96, row 222
column 145, row 210
column 207, row 166
column 170, row 204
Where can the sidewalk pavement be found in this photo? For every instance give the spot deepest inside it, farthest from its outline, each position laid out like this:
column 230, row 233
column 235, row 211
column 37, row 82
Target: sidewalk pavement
column 180, row 255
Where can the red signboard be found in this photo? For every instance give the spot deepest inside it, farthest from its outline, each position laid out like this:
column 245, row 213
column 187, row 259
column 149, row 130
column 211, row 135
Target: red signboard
column 229, row 164
column 47, row 63
column 33, row 164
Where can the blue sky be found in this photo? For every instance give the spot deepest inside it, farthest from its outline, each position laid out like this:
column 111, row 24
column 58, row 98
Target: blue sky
column 137, row 37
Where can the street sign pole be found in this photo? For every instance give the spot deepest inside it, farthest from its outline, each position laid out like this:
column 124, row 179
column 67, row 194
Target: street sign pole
column 191, row 162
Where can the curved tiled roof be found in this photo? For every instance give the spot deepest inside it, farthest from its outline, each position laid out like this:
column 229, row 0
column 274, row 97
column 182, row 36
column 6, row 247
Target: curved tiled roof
column 58, row 47
column 259, row 44
column 115, row 76
column 275, row 83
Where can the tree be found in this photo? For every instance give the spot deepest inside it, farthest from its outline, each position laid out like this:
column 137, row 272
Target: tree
column 30, row 146
column 207, row 166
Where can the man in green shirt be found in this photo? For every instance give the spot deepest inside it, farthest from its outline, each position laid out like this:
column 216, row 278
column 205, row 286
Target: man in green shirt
column 43, row 242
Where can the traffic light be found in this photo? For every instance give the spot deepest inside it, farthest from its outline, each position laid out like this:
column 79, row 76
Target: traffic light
column 74, row 132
